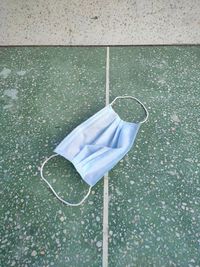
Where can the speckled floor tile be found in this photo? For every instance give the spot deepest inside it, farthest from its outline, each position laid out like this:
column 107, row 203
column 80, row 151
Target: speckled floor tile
column 154, row 191
column 45, row 93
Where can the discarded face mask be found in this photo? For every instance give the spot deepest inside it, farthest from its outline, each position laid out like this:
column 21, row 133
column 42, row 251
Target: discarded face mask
column 97, row 145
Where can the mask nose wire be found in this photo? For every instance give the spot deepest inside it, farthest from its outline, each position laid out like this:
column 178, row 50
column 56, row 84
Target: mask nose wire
column 137, row 100
column 54, row 192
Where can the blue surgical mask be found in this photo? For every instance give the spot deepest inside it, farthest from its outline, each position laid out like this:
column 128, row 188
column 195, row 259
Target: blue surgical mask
column 97, row 145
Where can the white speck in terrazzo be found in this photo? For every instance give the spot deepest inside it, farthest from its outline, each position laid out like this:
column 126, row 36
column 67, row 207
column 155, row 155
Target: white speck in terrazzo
column 175, row 118
column 118, row 192
column 33, row 253
column 62, row 219
column 97, row 218
column 5, row 73
column 177, row 234
column 172, row 173
column 21, row 72
column 189, row 160
column 12, row 93
column 99, row 244
column 110, row 232
column 9, row 106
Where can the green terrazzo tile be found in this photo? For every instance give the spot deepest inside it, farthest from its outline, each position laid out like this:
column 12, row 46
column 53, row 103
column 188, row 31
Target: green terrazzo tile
column 154, row 207
column 154, row 191
column 45, row 93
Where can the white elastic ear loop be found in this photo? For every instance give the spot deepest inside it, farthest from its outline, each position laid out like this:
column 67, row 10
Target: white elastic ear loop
column 62, row 200
column 132, row 97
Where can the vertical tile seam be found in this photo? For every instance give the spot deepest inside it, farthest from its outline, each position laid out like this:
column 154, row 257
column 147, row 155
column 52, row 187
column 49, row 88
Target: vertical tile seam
column 105, row 194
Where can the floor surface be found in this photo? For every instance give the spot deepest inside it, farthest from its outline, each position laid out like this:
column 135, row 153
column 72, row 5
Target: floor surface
column 154, row 191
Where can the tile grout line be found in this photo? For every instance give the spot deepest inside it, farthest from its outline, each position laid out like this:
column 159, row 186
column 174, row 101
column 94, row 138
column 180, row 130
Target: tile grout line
column 105, row 193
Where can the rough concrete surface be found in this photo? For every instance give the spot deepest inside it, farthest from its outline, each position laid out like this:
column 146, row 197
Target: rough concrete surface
column 127, row 22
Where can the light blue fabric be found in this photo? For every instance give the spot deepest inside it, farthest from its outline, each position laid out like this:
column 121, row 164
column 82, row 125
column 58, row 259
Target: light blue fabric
column 98, row 144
